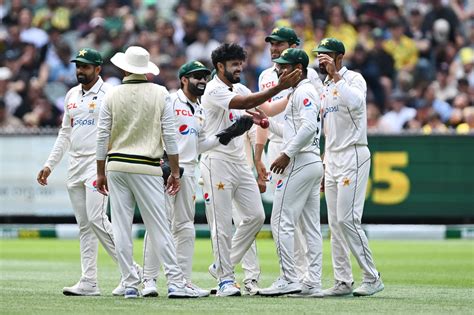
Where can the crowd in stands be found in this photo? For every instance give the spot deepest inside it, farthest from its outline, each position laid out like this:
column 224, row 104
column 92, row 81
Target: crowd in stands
column 416, row 56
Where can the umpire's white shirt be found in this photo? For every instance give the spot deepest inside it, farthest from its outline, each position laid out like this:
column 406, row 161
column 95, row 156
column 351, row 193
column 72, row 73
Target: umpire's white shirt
column 215, row 101
column 79, row 126
column 269, row 78
column 344, row 111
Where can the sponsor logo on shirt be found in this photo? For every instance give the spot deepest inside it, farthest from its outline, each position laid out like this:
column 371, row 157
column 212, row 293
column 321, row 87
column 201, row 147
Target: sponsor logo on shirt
column 184, row 112
column 232, row 117
column 82, row 122
column 330, row 109
column 268, row 85
column 279, row 184
column 307, row 103
column 186, row 130
column 71, row 105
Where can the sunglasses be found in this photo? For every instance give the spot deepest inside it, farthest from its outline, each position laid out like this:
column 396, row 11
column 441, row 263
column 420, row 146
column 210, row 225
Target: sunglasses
column 199, row 76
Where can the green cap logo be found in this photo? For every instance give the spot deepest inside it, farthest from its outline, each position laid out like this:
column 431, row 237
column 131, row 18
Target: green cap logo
column 88, row 56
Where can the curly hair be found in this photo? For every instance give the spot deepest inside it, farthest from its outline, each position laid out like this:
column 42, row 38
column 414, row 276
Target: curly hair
column 226, row 52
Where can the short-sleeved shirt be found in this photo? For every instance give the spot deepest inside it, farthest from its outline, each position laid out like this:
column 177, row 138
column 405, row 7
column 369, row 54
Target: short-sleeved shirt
column 215, row 101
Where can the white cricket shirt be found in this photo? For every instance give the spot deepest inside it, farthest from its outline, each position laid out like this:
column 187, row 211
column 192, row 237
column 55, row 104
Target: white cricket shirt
column 79, row 126
column 215, row 101
column 269, row 78
column 344, row 111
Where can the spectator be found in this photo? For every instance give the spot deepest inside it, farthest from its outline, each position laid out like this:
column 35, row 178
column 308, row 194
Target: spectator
column 401, row 47
column 8, row 122
column 52, row 15
column 10, row 98
column 434, row 125
column 468, row 125
column 395, row 120
column 202, row 48
column 338, row 27
column 444, row 85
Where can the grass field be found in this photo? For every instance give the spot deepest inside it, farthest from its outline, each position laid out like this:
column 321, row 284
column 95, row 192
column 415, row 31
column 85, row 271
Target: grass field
column 421, row 277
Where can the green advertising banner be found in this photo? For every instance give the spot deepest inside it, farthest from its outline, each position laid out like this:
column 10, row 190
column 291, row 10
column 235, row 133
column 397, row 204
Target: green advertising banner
column 414, row 179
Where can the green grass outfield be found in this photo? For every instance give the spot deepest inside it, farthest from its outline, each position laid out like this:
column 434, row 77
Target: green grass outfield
column 420, row 277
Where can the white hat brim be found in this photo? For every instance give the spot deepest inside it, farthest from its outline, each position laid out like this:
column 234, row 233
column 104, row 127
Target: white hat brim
column 119, row 60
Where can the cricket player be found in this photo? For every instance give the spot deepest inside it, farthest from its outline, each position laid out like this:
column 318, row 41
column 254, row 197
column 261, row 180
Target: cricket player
column 77, row 136
column 225, row 172
column 280, row 39
column 296, row 198
column 347, row 167
column 133, row 125
column 192, row 140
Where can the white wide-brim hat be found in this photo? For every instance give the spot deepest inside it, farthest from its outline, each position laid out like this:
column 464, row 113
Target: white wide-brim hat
column 135, row 60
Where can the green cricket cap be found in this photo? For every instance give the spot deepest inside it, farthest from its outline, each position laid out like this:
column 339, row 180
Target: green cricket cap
column 283, row 34
column 190, row 67
column 328, row 45
column 293, row 56
column 89, row 56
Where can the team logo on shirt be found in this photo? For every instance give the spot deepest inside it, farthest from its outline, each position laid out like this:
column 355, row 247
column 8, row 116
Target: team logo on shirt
column 186, row 130
column 307, row 103
column 279, row 184
column 335, row 94
column 92, row 107
column 206, row 197
column 346, row 182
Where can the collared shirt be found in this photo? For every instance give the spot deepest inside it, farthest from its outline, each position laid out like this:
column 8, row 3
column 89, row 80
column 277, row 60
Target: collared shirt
column 79, row 126
column 215, row 101
column 302, row 121
column 192, row 140
column 269, row 78
column 344, row 111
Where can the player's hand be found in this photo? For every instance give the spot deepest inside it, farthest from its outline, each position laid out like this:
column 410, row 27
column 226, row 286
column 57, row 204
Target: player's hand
column 258, row 115
column 289, row 79
column 173, row 185
column 261, row 169
column 328, row 62
column 278, row 166
column 43, row 175
column 101, row 185
column 262, row 185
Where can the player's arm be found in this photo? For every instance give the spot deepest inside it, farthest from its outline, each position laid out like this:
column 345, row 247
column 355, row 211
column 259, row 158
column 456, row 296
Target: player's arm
column 352, row 92
column 168, row 132
column 253, row 100
column 104, row 126
column 61, row 146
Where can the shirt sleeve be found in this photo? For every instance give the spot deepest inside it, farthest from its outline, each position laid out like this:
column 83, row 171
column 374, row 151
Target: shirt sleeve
column 63, row 141
column 309, row 122
column 168, row 127
column 206, row 143
column 103, row 130
column 353, row 91
column 275, row 127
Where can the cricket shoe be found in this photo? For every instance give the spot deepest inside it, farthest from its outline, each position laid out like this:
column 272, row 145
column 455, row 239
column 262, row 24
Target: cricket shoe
column 213, row 270
column 181, row 292
column 369, row 288
column 308, row 292
column 120, row 289
column 131, row 293
column 149, row 288
column 83, row 287
column 340, row 288
column 214, row 290
column 228, row 288
column 201, row 292
column 281, row 287
column 251, row 287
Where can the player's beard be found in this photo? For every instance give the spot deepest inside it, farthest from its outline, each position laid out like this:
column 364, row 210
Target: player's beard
column 229, row 76
column 196, row 89
column 84, row 79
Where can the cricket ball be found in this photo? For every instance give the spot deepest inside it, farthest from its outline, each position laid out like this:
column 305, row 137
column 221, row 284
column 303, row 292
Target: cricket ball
column 264, row 123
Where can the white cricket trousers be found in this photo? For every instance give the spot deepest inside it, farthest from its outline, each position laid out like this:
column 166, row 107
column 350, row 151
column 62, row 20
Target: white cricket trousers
column 297, row 202
column 274, row 151
column 225, row 182
column 147, row 192
column 181, row 211
column 346, row 178
column 90, row 211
